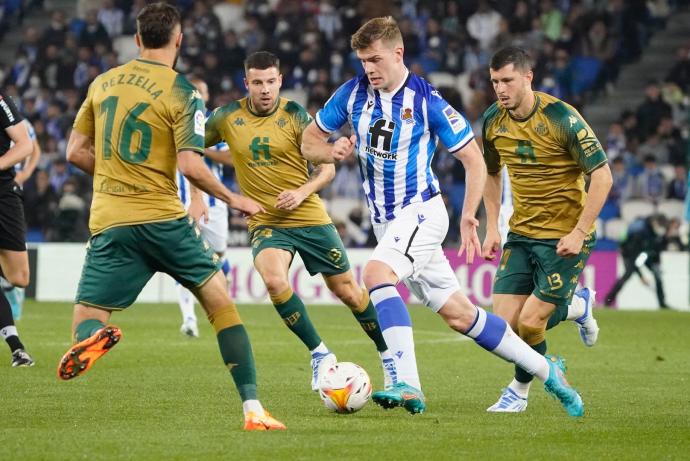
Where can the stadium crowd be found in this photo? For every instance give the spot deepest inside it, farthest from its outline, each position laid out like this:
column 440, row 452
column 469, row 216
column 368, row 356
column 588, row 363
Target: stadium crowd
column 579, row 47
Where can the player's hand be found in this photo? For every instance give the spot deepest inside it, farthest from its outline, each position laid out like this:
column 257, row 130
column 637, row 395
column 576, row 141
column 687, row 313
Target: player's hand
column 571, row 244
column 248, row 207
column 290, row 199
column 20, row 178
column 343, row 147
column 198, row 210
column 469, row 240
column 492, row 245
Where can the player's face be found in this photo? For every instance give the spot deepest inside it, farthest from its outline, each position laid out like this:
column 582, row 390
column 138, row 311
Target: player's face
column 511, row 85
column 263, row 86
column 383, row 64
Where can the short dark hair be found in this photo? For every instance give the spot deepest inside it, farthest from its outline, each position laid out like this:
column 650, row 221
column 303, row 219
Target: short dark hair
column 518, row 57
column 155, row 24
column 261, row 60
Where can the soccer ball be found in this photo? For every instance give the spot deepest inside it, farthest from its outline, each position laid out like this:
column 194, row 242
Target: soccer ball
column 345, row 387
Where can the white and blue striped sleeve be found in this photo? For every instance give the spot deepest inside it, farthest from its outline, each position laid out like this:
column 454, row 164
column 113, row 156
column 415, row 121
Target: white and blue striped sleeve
column 334, row 113
column 448, row 124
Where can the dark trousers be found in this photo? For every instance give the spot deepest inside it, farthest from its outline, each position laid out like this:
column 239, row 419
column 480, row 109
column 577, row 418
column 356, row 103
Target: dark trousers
column 630, row 269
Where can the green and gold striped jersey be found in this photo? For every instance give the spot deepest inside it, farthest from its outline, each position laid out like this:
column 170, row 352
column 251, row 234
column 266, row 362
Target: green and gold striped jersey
column 266, row 155
column 139, row 115
column 547, row 155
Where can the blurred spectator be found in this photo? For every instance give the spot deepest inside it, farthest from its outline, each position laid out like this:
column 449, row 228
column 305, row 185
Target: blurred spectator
column 112, row 18
column 483, row 25
column 650, row 183
column 680, row 72
column 59, row 175
column 70, row 223
column 678, row 187
column 623, row 182
column 348, row 181
column 93, row 32
column 40, row 202
column 56, row 32
column 551, row 19
column 651, row 110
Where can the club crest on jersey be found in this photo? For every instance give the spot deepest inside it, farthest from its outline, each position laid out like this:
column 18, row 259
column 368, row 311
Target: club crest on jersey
column 454, row 119
column 541, row 129
column 406, row 115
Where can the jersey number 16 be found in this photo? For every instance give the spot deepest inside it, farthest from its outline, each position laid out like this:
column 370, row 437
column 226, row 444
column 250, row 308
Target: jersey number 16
column 129, row 126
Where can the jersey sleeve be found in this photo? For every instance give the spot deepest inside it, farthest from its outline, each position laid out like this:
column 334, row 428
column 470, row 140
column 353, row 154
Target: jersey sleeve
column 448, row 124
column 213, row 136
column 334, row 113
column 188, row 116
column 9, row 114
column 581, row 142
column 491, row 156
column 84, row 122
column 300, row 119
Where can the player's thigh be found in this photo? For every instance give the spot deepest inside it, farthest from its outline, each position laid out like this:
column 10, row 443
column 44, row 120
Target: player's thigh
column 321, row 249
column 508, row 307
column 556, row 276
column 215, row 231
column 213, row 295
column 177, row 248
column 115, row 270
column 515, row 272
column 435, row 283
column 409, row 242
column 15, row 266
column 273, row 264
column 13, row 256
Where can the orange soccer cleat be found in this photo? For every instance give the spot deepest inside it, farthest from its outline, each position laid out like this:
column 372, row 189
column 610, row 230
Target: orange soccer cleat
column 82, row 356
column 266, row 422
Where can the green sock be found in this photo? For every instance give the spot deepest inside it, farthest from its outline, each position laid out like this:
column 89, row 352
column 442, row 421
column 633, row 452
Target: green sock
column 559, row 314
column 294, row 314
column 520, row 374
column 369, row 322
column 237, row 356
column 87, row 328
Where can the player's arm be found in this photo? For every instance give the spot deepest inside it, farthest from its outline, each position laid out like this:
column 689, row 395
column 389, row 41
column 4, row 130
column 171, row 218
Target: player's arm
column 80, row 152
column 192, row 166
column 21, row 149
column 475, row 180
column 219, row 156
column 585, row 148
column 30, row 164
column 320, row 176
column 317, row 149
column 197, row 207
column 492, row 196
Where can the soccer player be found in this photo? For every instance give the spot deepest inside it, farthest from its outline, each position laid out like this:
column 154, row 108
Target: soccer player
column 14, row 260
column 547, row 148
column 24, row 170
column 211, row 215
column 264, row 133
column 397, row 119
column 139, row 122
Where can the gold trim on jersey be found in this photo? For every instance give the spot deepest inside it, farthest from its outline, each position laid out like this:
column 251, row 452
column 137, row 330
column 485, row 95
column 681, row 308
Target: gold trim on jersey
column 136, row 223
column 251, row 110
column 531, row 112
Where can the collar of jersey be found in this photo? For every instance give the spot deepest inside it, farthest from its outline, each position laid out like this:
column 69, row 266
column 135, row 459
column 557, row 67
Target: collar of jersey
column 273, row 111
column 390, row 94
column 531, row 113
column 155, row 63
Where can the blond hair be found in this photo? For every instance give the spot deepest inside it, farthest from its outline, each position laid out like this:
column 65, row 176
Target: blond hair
column 383, row 28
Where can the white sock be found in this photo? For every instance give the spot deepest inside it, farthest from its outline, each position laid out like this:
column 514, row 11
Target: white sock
column 8, row 331
column 493, row 334
column 577, row 308
column 385, row 355
column 521, row 389
column 396, row 326
column 320, row 349
column 253, row 406
column 186, row 301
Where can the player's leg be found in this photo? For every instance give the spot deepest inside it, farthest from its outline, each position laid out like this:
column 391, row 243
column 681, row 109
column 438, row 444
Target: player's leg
column 14, row 262
column 177, row 248
column 630, row 269
column 658, row 283
column 273, row 251
column 115, row 271
column 322, row 251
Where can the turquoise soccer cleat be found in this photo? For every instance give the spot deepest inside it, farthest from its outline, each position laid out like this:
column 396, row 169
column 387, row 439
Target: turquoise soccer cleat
column 401, row 395
column 557, row 386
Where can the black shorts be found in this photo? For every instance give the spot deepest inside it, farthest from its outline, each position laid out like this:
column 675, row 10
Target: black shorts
column 12, row 224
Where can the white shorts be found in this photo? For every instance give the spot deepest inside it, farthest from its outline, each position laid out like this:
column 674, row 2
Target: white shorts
column 215, row 231
column 411, row 246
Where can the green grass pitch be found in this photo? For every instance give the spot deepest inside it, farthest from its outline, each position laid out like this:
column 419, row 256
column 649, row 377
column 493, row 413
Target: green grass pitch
column 159, row 395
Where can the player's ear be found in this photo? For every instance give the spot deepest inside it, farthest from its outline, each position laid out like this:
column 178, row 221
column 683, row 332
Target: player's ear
column 280, row 80
column 137, row 40
column 178, row 41
column 246, row 84
column 529, row 75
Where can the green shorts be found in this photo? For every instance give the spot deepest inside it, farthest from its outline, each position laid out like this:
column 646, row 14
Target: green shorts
column 531, row 266
column 320, row 247
column 121, row 260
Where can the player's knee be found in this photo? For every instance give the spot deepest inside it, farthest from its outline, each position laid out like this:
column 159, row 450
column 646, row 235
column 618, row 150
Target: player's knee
column 375, row 273
column 224, row 317
column 18, row 278
column 530, row 333
column 458, row 315
column 276, row 284
column 349, row 293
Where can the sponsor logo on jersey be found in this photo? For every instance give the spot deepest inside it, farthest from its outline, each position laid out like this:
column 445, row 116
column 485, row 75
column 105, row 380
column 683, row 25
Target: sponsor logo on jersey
column 436, row 93
column 199, row 123
column 7, row 110
column 406, row 115
column 454, row 119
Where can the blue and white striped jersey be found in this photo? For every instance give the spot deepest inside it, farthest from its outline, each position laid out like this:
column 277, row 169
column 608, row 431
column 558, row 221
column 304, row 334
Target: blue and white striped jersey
column 216, row 169
column 397, row 134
